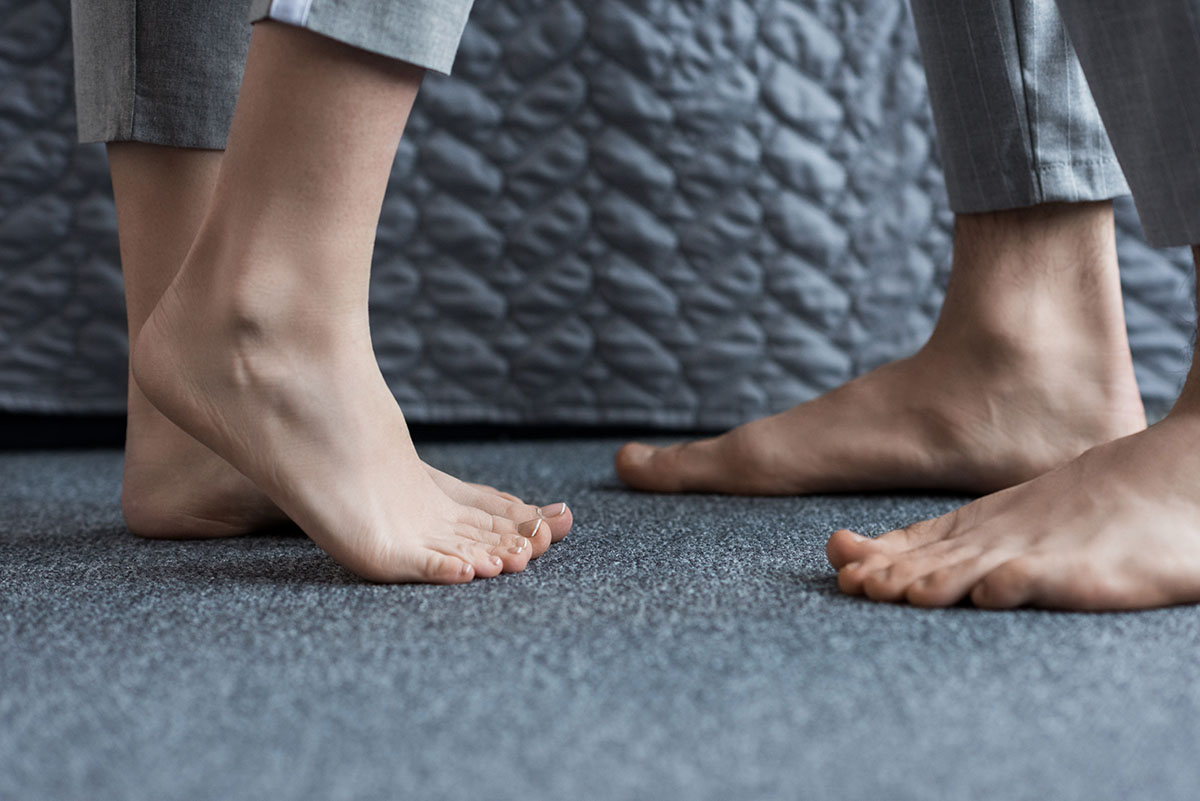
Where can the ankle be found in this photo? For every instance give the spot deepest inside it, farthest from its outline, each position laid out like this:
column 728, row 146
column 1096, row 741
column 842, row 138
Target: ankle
column 252, row 294
column 1034, row 330
column 1036, row 282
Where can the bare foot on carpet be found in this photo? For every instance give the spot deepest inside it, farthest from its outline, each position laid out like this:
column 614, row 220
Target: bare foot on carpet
column 1117, row 528
column 1028, row 367
column 175, row 488
column 260, row 348
column 308, row 418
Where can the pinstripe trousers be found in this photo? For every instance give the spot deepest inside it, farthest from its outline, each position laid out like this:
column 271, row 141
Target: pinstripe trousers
column 1017, row 125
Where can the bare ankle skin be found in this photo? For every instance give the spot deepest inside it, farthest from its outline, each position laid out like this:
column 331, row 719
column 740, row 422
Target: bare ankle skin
column 1028, row 367
column 1116, row 528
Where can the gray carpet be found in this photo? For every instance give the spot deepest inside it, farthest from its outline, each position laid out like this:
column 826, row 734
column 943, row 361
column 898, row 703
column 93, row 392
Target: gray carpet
column 673, row 648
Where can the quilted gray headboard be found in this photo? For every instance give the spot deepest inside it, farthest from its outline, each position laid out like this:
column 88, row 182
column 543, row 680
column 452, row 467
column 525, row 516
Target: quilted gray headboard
column 678, row 213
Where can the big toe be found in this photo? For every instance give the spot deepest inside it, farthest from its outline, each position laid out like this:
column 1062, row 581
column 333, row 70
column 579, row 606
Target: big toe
column 692, row 466
column 846, row 546
column 558, row 517
column 633, row 462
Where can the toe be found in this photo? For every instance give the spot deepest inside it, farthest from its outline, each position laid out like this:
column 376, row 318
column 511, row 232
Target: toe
column 484, row 558
column 442, row 569
column 634, row 464
column 916, row 535
column 487, row 564
column 559, row 518
column 502, row 539
column 509, row 508
column 430, row 567
column 537, row 531
column 685, row 467
column 510, row 538
column 949, row 584
column 515, row 552
column 556, row 518
column 502, row 504
column 516, row 555
column 851, row 577
column 891, row 583
column 1012, row 584
column 846, row 546
column 910, row 567
column 883, row 585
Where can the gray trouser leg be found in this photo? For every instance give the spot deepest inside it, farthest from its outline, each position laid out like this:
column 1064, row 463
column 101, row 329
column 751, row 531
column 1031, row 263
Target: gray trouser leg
column 165, row 72
column 168, row 72
column 421, row 32
column 1016, row 123
column 1142, row 59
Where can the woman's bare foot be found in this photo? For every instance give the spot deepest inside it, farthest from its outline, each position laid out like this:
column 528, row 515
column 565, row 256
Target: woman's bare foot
column 1117, row 528
column 175, row 488
column 260, row 348
column 303, row 411
column 1028, row 367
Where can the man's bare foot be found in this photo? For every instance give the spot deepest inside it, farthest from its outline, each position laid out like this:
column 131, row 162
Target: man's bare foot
column 952, row 417
column 1028, row 367
column 175, row 488
column 1117, row 528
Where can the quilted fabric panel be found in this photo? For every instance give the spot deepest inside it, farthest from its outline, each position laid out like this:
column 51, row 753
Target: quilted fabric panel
column 677, row 213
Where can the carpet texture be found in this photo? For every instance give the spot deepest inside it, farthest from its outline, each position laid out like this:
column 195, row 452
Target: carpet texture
column 672, row 648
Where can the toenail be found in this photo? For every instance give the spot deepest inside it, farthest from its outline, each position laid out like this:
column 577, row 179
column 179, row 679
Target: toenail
column 496, row 561
column 466, row 569
column 641, row 450
column 519, row 547
column 530, row 528
column 852, row 566
column 553, row 510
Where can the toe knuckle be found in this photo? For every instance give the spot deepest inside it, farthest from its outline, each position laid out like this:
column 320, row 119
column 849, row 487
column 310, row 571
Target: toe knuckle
column 922, row 594
column 518, row 511
column 939, row 580
column 1015, row 573
column 877, row 584
column 433, row 565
